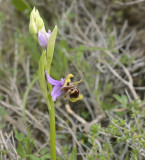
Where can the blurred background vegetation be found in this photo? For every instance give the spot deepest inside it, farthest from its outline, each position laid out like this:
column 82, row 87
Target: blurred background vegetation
column 100, row 42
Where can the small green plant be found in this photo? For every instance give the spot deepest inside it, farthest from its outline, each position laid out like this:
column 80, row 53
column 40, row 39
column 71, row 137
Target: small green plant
column 46, row 41
column 122, row 138
column 123, row 100
column 26, row 148
column 25, row 144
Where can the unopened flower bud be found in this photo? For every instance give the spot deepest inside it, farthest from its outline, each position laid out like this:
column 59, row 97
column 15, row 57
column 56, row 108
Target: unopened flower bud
column 33, row 14
column 36, row 23
column 43, row 38
column 32, row 27
column 39, row 23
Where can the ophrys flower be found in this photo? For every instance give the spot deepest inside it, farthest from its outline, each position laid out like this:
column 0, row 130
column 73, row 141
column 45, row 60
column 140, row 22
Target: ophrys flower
column 64, row 86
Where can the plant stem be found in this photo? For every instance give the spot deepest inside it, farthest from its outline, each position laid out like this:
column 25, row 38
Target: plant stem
column 52, row 131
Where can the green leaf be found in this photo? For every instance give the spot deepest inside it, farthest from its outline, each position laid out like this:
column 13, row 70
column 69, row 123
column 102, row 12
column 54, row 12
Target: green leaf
column 50, row 48
column 45, row 157
column 118, row 98
column 41, row 73
column 43, row 151
column 21, row 5
column 33, row 157
column 42, row 81
column 49, row 57
column 19, row 136
column 73, row 155
column 21, row 150
column 124, row 101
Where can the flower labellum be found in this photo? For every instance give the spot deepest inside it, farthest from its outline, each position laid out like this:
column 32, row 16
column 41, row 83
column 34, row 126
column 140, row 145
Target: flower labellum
column 43, row 38
column 64, row 86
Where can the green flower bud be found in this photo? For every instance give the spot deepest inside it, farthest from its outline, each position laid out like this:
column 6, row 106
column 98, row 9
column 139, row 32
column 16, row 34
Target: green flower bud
column 32, row 26
column 39, row 22
column 36, row 23
column 33, row 14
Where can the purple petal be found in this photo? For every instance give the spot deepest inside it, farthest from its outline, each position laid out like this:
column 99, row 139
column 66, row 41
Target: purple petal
column 53, row 81
column 56, row 92
column 43, row 38
column 62, row 81
column 48, row 34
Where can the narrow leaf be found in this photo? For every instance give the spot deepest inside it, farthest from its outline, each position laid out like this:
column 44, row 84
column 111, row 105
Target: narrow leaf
column 73, row 155
column 124, row 99
column 50, row 48
column 41, row 73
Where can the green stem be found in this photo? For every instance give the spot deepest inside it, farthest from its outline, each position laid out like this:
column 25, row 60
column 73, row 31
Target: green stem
column 52, row 131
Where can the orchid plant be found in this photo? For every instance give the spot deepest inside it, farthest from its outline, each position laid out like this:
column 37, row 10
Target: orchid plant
column 46, row 41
